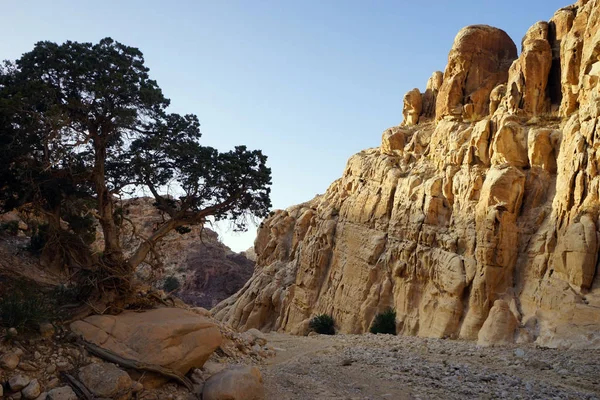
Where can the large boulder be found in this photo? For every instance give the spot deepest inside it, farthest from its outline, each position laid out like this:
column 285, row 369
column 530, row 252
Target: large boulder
column 237, row 383
column 478, row 62
column 499, row 327
column 169, row 337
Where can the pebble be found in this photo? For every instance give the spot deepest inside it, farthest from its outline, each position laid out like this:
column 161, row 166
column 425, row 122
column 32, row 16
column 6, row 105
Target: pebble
column 18, row 382
column 9, row 361
column 33, row 390
column 520, row 353
column 62, row 393
column 52, row 383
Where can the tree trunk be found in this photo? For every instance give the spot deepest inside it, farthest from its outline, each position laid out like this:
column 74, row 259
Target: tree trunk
column 143, row 249
column 113, row 253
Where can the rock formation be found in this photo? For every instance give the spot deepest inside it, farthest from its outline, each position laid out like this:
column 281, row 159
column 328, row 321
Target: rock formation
column 480, row 225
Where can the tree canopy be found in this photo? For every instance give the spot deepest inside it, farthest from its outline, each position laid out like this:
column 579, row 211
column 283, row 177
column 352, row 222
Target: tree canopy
column 82, row 125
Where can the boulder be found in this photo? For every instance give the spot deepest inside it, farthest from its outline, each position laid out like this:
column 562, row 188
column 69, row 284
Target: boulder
column 9, row 361
column 18, row 382
column 106, row 380
column 499, row 327
column 478, row 62
column 168, row 337
column 32, row 390
column 237, row 383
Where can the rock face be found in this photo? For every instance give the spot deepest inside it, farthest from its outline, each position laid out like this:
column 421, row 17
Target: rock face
column 413, row 107
column 479, row 61
column 206, row 270
column 528, row 76
column 169, row 337
column 483, row 226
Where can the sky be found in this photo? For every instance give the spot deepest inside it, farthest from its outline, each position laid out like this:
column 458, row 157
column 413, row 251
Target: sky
column 310, row 82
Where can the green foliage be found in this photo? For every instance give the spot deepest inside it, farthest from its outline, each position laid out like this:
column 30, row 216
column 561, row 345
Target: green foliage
column 171, row 284
column 82, row 124
column 10, row 227
column 323, row 324
column 23, row 308
column 384, row 322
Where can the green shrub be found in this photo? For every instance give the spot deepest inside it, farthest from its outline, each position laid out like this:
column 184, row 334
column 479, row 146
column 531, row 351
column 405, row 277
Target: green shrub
column 322, row 324
column 24, row 309
column 384, row 322
column 171, row 284
column 10, row 227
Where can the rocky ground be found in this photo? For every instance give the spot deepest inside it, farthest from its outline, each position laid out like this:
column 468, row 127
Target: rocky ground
column 396, row 367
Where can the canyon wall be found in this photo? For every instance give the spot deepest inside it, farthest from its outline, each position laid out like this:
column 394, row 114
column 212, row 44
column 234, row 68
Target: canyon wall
column 477, row 218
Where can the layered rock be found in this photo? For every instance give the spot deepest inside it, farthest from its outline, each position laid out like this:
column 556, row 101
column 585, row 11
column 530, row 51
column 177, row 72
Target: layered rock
column 483, row 226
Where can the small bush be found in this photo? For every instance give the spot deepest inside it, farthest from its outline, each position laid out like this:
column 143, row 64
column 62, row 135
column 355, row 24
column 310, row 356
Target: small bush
column 171, row 284
column 323, row 324
column 384, row 322
column 10, row 227
column 24, row 309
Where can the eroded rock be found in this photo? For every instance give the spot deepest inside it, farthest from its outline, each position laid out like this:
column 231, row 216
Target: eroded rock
column 478, row 62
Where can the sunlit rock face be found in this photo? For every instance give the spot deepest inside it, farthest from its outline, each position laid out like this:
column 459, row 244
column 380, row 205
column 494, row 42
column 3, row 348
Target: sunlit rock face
column 479, row 222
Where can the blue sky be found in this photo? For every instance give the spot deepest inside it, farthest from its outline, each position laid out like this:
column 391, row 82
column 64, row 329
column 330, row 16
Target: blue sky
column 308, row 82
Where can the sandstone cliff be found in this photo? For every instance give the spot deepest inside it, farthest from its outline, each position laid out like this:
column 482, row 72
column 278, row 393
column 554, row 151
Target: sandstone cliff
column 477, row 218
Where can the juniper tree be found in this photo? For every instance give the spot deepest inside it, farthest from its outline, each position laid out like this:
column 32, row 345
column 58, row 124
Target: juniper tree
column 83, row 124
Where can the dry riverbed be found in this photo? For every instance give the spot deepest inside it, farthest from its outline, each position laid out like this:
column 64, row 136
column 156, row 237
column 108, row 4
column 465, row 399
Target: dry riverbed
column 396, row 367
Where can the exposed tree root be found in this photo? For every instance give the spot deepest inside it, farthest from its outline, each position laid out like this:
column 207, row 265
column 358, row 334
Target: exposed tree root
column 139, row 366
